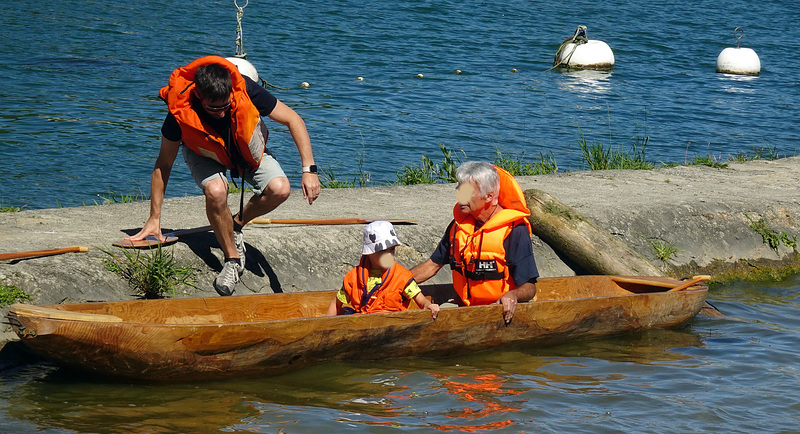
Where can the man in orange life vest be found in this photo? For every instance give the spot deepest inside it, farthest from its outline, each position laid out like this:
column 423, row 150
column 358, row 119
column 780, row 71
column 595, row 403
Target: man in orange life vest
column 215, row 112
column 488, row 243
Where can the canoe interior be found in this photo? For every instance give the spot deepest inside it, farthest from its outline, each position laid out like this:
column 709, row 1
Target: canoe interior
column 270, row 307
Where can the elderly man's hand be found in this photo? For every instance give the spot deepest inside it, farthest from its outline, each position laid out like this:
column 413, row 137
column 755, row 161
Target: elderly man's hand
column 509, row 302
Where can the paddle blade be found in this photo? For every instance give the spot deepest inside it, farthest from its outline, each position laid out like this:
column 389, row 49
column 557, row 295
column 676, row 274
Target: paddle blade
column 147, row 243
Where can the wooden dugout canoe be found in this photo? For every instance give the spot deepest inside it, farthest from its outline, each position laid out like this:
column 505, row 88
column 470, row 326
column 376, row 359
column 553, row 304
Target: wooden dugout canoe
column 195, row 339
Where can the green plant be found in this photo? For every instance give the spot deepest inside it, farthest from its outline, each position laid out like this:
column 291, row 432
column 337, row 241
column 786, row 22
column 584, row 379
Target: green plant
column 514, row 165
column 151, row 275
column 360, row 178
column 233, row 188
column 10, row 209
column 599, row 157
column 770, row 236
column 450, row 163
column 663, row 249
column 708, row 161
column 10, row 294
column 113, row 197
column 430, row 172
column 423, row 174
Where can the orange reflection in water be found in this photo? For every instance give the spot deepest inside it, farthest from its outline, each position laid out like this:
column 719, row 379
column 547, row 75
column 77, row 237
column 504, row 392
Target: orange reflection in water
column 485, row 390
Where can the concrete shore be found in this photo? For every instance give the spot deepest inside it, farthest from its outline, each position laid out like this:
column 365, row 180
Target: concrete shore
column 702, row 211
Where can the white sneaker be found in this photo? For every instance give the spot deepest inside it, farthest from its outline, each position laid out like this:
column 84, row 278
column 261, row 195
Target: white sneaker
column 227, row 279
column 238, row 239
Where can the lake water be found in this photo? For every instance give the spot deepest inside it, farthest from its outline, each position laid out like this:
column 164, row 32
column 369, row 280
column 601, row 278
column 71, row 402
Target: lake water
column 81, row 117
column 737, row 374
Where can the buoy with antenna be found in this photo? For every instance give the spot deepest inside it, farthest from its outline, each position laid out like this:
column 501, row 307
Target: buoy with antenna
column 739, row 60
column 580, row 52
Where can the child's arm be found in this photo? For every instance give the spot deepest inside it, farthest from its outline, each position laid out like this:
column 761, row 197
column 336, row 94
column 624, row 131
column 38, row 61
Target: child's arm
column 426, row 304
column 334, row 307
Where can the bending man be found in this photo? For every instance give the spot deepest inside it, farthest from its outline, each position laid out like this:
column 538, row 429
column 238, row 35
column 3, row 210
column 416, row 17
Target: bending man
column 488, row 243
column 215, row 112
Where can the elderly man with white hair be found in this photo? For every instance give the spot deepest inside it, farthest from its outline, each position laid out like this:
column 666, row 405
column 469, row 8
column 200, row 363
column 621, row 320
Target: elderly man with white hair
column 488, row 243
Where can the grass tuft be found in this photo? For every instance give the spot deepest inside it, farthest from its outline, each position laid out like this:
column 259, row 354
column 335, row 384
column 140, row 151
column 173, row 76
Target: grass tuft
column 111, row 197
column 663, row 249
column 516, row 167
column 599, row 157
column 10, row 294
column 770, row 236
column 151, row 275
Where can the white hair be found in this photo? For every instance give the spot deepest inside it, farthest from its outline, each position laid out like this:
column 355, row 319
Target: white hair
column 482, row 173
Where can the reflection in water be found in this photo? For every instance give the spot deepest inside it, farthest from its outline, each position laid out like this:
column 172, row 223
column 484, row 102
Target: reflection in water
column 585, row 81
column 736, row 84
column 75, row 402
column 475, row 393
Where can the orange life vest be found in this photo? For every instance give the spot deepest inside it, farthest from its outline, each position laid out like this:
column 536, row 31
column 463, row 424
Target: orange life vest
column 249, row 134
column 387, row 296
column 477, row 255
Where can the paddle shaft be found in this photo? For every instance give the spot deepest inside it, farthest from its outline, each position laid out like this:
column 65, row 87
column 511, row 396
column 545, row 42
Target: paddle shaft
column 644, row 281
column 688, row 283
column 37, row 253
column 333, row 221
column 264, row 221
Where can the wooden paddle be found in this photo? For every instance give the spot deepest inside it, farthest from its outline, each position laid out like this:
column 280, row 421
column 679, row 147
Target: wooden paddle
column 172, row 237
column 695, row 280
column 37, row 253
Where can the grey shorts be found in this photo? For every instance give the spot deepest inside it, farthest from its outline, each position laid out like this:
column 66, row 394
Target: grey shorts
column 205, row 169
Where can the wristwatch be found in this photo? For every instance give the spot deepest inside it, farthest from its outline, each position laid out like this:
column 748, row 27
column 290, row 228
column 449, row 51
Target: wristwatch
column 310, row 169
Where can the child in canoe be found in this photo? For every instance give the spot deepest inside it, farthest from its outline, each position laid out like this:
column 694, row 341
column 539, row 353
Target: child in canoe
column 378, row 283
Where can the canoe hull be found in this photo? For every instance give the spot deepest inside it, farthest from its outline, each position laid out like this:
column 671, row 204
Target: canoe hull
column 207, row 347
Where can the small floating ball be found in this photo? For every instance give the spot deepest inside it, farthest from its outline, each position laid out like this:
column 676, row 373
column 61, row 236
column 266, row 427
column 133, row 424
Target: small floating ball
column 360, row 78
column 305, row 85
column 458, row 72
column 514, row 70
column 420, row 76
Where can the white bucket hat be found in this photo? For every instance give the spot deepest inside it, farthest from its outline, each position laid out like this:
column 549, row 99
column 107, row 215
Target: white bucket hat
column 379, row 236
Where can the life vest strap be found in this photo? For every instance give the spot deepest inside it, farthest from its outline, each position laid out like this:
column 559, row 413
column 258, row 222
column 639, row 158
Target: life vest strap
column 484, row 275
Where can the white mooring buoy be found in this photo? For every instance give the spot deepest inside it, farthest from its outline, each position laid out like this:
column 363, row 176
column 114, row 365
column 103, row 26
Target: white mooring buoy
column 245, row 67
column 742, row 61
column 583, row 53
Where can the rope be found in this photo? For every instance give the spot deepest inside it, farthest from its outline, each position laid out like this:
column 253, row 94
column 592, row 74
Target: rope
column 239, row 14
column 579, row 38
column 240, row 41
column 264, row 83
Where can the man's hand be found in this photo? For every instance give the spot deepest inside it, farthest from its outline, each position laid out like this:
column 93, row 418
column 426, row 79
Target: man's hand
column 509, row 302
column 311, row 187
column 152, row 227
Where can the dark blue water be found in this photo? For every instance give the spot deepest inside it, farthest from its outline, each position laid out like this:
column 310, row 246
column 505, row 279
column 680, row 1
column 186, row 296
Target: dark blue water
column 80, row 117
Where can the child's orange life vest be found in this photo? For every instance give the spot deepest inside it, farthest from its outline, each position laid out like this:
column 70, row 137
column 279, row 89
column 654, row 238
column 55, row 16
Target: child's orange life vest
column 387, row 296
